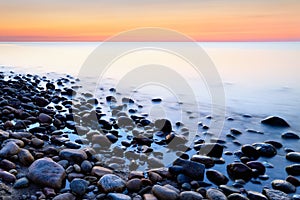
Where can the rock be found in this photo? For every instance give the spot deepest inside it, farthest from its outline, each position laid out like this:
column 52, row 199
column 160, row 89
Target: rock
column 65, row 196
column 276, row 144
column 235, row 131
column 265, row 150
column 100, row 171
column 73, row 155
column 124, row 121
column 216, row 177
column 210, row 149
column 227, row 190
column 239, row 171
column 41, row 102
column 293, row 180
column 86, row 166
column 293, row 169
column 206, row 160
column 37, row 143
column 44, row 118
column 236, row 196
column 275, row 194
column 163, row 125
column 7, row 165
column 190, row 195
column 46, row 172
column 25, row 157
column 79, row 186
column 101, row 140
column 111, row 183
column 293, row 156
column 149, row 197
column 190, row 168
column 155, row 162
column 290, row 135
column 21, row 183
column 164, row 193
column 283, row 186
column 258, row 166
column 134, row 184
column 250, row 151
column 9, row 149
column 154, row 177
column 252, row 195
column 275, row 121
column 118, row 196
column 7, row 177
column 214, row 194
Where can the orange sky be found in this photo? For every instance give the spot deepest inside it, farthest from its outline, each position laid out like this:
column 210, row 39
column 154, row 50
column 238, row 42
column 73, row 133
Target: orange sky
column 203, row 20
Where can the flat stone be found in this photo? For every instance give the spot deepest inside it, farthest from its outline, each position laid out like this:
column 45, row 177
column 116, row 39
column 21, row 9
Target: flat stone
column 73, row 155
column 100, row 171
column 252, row 195
column 46, row 172
column 236, row 196
column 164, row 193
column 118, row 196
column 290, row 135
column 276, row 194
column 216, row 177
column 214, row 194
column 111, row 183
column 7, row 165
column 192, row 169
column 293, row 169
column 293, row 156
column 190, row 195
column 7, row 177
column 283, row 186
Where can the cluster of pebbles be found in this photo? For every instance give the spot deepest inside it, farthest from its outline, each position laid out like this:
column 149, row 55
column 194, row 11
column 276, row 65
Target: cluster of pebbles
column 38, row 158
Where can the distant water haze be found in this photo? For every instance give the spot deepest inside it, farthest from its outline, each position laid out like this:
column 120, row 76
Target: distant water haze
column 259, row 77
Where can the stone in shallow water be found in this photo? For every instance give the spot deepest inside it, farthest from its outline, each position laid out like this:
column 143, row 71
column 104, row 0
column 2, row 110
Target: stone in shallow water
column 190, row 195
column 111, row 183
column 276, row 194
column 236, row 196
column 293, row 169
column 275, row 121
column 290, row 135
column 216, row 177
column 252, row 195
column 265, row 150
column 100, row 171
column 164, row 193
column 293, row 156
column 293, row 180
column 283, row 186
column 46, row 172
column 163, row 125
column 239, row 171
column 210, row 149
column 190, row 168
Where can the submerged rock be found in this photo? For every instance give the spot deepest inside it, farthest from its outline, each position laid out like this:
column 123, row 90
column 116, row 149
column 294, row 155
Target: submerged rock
column 284, row 186
column 239, row 171
column 190, row 168
column 164, row 193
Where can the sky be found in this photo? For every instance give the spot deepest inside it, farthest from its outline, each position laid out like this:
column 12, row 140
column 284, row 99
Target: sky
column 97, row 20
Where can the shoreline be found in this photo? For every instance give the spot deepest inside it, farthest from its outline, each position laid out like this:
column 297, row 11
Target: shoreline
column 38, row 115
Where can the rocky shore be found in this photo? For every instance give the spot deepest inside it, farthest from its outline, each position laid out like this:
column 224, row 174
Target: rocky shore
column 58, row 143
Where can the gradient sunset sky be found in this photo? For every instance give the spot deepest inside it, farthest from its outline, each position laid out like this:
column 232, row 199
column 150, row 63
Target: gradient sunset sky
column 203, row 20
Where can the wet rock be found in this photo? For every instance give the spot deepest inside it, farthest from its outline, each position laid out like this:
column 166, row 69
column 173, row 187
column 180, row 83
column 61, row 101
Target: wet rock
column 239, row 171
column 21, row 183
column 134, row 184
column 235, row 131
column 41, row 102
column 236, row 196
column 214, row 194
column 154, row 177
column 73, row 155
column 65, row 196
column 155, row 162
column 37, row 143
column 164, row 193
column 9, row 149
column 206, row 160
column 192, row 169
column 293, row 156
column 25, row 157
column 227, row 190
column 102, row 140
column 7, row 165
column 79, row 186
column 46, row 172
column 283, row 186
column 118, row 196
column 265, row 150
column 252, row 195
column 210, row 149
column 293, row 180
column 124, row 121
column 275, row 194
column 250, row 151
column 111, row 183
column 163, row 125
column 276, row 144
column 258, row 166
column 190, row 195
column 275, row 121
column 293, row 169
column 7, row 177
column 216, row 177
column 149, row 197
column 100, row 171
column 290, row 135
column 44, row 118
column 86, row 166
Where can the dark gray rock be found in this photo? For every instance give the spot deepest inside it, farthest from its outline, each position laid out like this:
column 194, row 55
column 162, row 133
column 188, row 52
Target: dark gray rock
column 276, row 194
column 210, row 149
column 79, row 186
column 25, row 157
column 275, row 121
column 283, row 186
column 118, row 196
column 290, row 135
column 214, row 194
column 239, row 171
column 190, row 195
column 21, row 183
column 293, row 156
column 236, row 196
column 46, row 172
column 265, row 150
column 192, row 169
column 216, row 177
column 9, row 149
column 163, row 125
column 164, row 193
column 252, row 195
column 73, row 155
column 86, row 166
column 293, row 169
